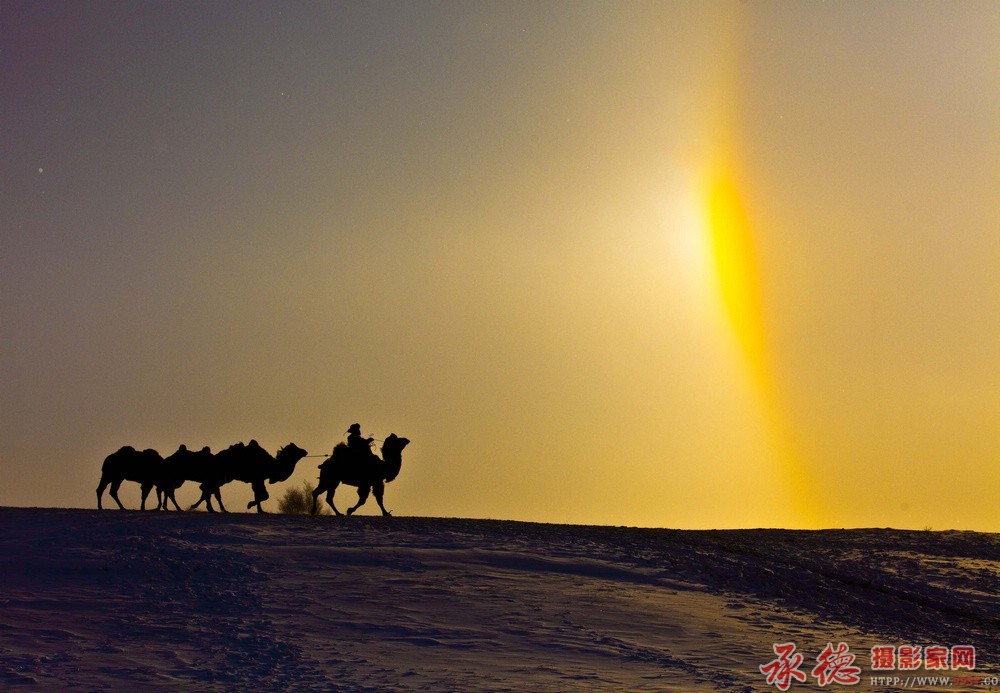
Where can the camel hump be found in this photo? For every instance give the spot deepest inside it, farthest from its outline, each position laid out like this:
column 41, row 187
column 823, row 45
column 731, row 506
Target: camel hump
column 339, row 450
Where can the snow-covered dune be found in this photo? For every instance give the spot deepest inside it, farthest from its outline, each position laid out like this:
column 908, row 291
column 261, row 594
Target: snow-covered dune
column 154, row 601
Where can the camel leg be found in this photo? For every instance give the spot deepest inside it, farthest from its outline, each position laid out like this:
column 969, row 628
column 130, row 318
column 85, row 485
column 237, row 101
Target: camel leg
column 114, row 492
column 363, row 492
column 315, row 494
column 146, row 488
column 169, row 494
column 100, row 490
column 218, row 497
column 329, row 497
column 378, row 490
column 260, row 495
column 329, row 501
column 206, row 498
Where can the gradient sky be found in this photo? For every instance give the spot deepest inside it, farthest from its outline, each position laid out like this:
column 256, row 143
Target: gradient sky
column 664, row 264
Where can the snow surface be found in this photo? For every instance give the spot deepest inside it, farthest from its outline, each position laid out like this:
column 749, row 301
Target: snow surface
column 189, row 601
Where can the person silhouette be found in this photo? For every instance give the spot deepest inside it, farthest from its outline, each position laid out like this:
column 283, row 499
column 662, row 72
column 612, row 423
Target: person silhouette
column 357, row 442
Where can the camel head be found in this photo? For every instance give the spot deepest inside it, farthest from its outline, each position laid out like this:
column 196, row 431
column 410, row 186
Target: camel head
column 291, row 454
column 284, row 462
column 392, row 450
column 394, row 443
column 149, row 455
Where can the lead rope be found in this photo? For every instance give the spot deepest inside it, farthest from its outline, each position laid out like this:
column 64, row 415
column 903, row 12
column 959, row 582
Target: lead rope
column 372, row 444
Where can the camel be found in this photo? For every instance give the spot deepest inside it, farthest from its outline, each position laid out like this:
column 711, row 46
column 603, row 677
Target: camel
column 219, row 471
column 251, row 464
column 128, row 464
column 186, row 465
column 362, row 469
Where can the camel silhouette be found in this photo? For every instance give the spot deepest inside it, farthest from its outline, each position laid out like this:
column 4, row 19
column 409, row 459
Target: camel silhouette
column 186, row 465
column 250, row 464
column 128, row 464
column 360, row 468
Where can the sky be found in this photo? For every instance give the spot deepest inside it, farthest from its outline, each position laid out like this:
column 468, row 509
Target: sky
column 678, row 264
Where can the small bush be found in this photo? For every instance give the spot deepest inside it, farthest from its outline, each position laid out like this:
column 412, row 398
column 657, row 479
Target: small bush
column 299, row 501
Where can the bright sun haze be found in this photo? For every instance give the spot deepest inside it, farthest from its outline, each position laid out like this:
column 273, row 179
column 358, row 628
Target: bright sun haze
column 679, row 264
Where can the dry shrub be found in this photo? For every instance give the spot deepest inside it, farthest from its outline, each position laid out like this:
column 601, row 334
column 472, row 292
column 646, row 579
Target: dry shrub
column 299, row 500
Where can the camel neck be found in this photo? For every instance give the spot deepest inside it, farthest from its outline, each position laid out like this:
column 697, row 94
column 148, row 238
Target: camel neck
column 393, row 461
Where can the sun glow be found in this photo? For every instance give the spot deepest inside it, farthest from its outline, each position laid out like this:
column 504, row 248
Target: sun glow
column 734, row 261
column 737, row 277
column 687, row 240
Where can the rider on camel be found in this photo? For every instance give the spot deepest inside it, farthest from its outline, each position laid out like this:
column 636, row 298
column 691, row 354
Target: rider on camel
column 358, row 443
